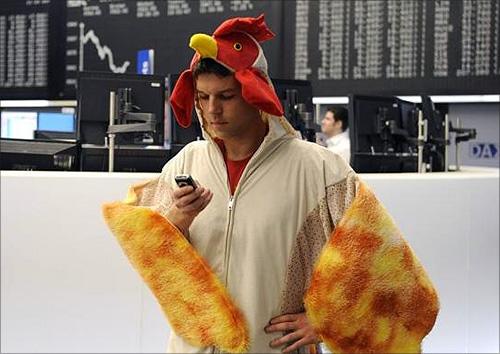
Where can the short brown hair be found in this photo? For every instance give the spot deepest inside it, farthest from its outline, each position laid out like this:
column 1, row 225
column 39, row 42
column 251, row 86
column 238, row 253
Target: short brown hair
column 210, row 66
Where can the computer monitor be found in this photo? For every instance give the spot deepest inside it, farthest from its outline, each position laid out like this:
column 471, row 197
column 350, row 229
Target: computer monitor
column 143, row 94
column 18, row 124
column 435, row 120
column 435, row 147
column 383, row 133
column 29, row 122
column 56, row 122
column 176, row 135
column 296, row 99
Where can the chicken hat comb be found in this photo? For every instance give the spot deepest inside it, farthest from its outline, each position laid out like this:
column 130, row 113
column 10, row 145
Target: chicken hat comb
column 235, row 45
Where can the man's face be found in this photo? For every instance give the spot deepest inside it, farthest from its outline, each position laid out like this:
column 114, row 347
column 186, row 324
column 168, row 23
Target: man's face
column 225, row 111
column 330, row 126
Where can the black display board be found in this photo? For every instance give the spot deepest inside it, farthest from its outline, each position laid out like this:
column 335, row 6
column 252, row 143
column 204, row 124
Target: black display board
column 32, row 35
column 107, row 35
column 393, row 47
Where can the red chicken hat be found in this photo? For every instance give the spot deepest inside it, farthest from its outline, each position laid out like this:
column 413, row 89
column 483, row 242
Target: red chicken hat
column 235, row 45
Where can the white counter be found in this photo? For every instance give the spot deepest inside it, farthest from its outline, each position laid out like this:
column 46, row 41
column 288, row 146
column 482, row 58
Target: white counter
column 66, row 286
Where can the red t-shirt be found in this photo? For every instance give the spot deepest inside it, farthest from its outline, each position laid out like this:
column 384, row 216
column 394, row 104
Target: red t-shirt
column 234, row 168
column 234, row 171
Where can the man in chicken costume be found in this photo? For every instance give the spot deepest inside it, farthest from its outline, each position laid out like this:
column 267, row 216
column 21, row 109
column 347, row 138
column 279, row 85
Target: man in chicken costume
column 280, row 246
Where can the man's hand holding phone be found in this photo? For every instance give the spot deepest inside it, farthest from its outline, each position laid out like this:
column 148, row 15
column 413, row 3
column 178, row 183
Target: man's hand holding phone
column 187, row 202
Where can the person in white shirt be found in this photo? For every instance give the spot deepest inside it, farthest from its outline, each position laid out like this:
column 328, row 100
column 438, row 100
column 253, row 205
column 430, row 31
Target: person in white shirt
column 334, row 126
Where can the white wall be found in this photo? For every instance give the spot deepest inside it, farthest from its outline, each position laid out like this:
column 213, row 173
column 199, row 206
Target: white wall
column 66, row 286
column 485, row 118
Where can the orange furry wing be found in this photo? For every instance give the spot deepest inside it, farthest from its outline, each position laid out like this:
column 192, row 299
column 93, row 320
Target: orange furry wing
column 195, row 302
column 368, row 291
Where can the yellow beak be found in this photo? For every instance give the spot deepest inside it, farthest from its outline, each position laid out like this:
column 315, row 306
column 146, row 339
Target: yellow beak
column 205, row 45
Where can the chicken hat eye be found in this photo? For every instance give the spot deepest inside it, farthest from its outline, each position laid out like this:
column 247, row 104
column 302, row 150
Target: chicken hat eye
column 237, row 46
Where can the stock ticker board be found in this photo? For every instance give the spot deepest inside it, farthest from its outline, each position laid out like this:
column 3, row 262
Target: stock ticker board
column 385, row 47
column 150, row 37
column 398, row 47
column 31, row 54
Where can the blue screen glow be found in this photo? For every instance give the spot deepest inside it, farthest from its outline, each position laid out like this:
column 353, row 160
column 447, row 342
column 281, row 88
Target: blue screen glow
column 56, row 122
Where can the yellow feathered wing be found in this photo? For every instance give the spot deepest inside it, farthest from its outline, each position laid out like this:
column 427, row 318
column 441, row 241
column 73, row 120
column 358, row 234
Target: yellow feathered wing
column 368, row 292
column 193, row 299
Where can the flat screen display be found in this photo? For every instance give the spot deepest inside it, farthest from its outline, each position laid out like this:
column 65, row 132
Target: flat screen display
column 18, row 125
column 56, row 122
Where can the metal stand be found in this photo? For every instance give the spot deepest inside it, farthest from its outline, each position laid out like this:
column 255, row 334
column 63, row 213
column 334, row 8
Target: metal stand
column 421, row 140
column 111, row 136
column 122, row 120
column 447, row 141
column 457, row 150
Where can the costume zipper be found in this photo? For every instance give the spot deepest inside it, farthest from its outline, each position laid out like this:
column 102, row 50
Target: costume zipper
column 228, row 225
column 230, row 208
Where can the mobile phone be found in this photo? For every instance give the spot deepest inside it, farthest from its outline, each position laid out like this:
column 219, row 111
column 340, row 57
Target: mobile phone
column 185, row 180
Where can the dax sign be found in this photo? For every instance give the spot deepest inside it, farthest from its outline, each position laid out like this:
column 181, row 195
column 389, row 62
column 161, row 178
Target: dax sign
column 483, row 150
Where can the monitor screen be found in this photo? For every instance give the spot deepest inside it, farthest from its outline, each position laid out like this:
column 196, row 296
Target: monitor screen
column 435, row 147
column 176, row 135
column 145, row 95
column 26, row 123
column 56, row 122
column 435, row 121
column 18, row 124
column 383, row 133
